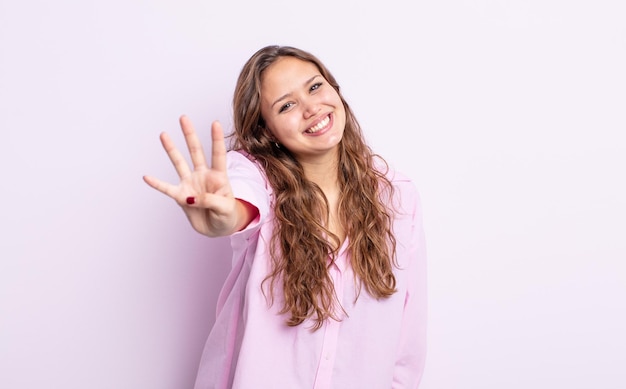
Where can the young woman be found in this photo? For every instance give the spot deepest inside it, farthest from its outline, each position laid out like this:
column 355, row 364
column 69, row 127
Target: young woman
column 328, row 280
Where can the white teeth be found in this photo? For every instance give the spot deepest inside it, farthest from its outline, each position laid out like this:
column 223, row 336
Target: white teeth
column 319, row 125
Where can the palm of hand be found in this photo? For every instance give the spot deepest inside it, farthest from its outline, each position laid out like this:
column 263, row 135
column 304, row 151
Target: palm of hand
column 214, row 191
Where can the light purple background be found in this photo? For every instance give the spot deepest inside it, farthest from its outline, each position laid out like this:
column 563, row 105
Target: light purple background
column 509, row 115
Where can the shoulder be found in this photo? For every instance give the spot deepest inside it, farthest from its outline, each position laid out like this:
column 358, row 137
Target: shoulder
column 398, row 179
column 239, row 158
column 240, row 161
column 244, row 170
column 405, row 191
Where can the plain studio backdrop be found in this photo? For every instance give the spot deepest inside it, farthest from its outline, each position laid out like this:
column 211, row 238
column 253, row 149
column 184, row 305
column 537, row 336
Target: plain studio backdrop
column 509, row 115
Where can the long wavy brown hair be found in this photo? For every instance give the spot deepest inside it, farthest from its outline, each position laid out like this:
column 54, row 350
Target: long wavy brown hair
column 302, row 248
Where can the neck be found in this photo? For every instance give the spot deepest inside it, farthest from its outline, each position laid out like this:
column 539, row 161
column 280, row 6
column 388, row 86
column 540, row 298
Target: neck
column 322, row 172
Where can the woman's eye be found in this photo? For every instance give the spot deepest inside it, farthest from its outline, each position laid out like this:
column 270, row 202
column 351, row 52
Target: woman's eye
column 285, row 107
column 316, row 86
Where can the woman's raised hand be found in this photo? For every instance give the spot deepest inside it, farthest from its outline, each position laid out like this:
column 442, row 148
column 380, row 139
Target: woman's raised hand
column 203, row 192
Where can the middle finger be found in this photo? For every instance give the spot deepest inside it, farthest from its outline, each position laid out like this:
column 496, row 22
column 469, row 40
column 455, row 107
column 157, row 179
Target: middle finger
column 193, row 143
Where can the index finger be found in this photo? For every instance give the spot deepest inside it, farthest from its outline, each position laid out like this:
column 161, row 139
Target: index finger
column 218, row 157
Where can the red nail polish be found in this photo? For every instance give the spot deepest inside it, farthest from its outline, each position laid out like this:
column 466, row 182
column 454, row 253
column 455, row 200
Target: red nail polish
column 191, row 200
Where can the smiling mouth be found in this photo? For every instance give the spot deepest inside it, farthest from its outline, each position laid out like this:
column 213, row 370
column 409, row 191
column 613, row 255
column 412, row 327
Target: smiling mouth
column 319, row 125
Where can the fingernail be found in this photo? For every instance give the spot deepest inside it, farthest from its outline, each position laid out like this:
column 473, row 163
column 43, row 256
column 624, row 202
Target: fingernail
column 191, row 200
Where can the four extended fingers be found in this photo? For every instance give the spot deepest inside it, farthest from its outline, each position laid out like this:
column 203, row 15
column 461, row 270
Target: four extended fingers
column 218, row 158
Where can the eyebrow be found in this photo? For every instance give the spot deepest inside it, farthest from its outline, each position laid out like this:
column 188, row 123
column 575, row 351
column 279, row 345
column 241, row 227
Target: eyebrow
column 289, row 94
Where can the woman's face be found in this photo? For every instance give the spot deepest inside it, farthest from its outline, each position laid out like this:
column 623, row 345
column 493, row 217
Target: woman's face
column 301, row 109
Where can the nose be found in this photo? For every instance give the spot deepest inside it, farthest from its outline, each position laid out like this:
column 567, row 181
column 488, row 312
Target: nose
column 311, row 108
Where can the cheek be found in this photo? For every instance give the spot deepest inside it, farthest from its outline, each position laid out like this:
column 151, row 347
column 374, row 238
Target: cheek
column 341, row 113
column 281, row 128
column 334, row 96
